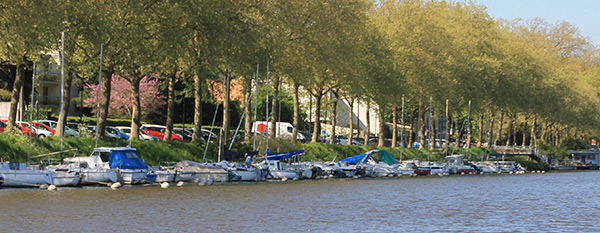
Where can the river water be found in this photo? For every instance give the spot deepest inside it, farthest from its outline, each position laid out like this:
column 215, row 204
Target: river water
column 551, row 202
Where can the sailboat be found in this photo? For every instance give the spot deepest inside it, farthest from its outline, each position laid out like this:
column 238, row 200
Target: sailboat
column 15, row 174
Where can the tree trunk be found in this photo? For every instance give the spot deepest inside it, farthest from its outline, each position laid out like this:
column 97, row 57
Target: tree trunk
column 317, row 120
column 170, row 106
column 514, row 129
column 545, row 126
column 136, row 122
column 368, row 125
column 413, row 130
column 351, row 120
column 421, row 123
column 62, row 119
column 296, row 111
column 499, row 131
column 432, row 131
column 381, row 125
column 273, row 112
column 525, row 131
column 480, row 135
column 14, row 98
column 333, row 120
column 226, row 117
column 394, row 126
column 197, row 135
column 533, row 140
column 446, row 147
column 248, row 111
column 104, row 104
column 491, row 129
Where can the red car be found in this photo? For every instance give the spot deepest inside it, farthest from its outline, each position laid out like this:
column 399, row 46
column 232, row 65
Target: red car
column 158, row 131
column 2, row 126
column 38, row 125
column 20, row 127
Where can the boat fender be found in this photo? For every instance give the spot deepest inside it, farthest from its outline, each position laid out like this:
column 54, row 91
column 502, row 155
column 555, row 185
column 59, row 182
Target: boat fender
column 115, row 186
column 179, row 184
column 284, row 179
column 51, row 187
column 164, row 185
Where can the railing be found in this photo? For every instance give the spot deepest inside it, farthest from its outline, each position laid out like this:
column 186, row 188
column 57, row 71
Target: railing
column 532, row 151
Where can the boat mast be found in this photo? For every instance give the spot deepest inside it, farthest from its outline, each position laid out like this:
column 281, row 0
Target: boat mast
column 402, row 134
column 468, row 130
column 31, row 109
column 99, row 91
column 429, row 131
column 255, row 107
column 62, row 94
column 267, row 108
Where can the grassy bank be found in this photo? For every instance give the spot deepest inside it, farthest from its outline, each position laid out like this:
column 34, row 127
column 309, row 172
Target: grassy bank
column 15, row 147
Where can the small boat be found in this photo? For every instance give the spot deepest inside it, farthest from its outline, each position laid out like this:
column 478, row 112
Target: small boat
column 458, row 165
column 112, row 164
column 190, row 171
column 66, row 174
column 15, row 174
column 241, row 171
column 277, row 169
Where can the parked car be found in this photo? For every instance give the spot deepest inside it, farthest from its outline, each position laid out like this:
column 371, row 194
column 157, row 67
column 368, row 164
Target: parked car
column 41, row 126
column 114, row 131
column 2, row 126
column 21, row 128
column 185, row 135
column 52, row 124
column 39, row 132
column 354, row 141
column 158, row 131
column 143, row 136
column 92, row 129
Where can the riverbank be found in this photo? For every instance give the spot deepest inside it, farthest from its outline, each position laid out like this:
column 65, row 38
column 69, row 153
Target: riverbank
column 15, row 147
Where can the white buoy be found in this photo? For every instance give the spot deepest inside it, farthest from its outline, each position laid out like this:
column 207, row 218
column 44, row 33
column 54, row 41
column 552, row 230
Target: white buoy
column 543, row 172
column 115, row 185
column 179, row 184
column 284, row 179
column 440, row 174
column 510, row 172
column 164, row 185
column 330, row 176
column 51, row 187
column 462, row 173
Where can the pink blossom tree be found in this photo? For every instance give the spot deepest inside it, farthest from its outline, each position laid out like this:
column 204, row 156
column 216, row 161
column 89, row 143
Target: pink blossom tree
column 151, row 99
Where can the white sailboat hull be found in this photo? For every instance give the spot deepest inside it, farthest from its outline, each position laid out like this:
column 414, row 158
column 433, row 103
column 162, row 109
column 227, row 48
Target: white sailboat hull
column 26, row 178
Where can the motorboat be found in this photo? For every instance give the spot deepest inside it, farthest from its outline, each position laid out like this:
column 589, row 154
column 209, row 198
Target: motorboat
column 458, row 165
column 17, row 174
column 190, row 171
column 277, row 169
column 65, row 174
column 112, row 164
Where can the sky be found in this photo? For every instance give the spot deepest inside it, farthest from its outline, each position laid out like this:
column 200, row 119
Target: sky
column 585, row 14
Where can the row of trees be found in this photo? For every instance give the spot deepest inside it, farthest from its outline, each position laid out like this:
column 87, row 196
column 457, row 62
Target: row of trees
column 529, row 71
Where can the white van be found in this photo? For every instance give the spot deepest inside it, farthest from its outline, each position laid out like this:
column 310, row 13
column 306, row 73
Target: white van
column 283, row 129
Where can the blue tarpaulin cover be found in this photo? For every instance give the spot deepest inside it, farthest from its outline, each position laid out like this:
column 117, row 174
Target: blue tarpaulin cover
column 125, row 159
column 357, row 158
column 282, row 155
